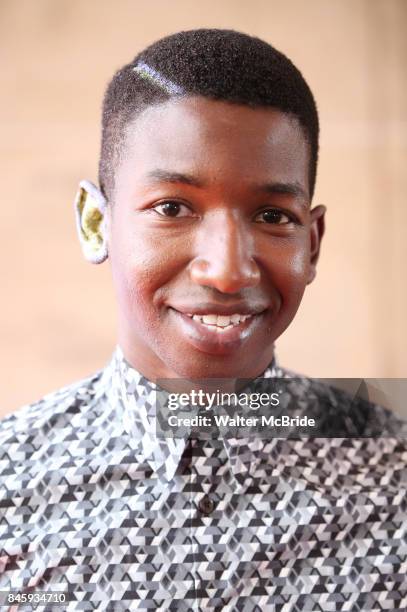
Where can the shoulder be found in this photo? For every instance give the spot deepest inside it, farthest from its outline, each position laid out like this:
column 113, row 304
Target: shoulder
column 54, row 411
column 342, row 412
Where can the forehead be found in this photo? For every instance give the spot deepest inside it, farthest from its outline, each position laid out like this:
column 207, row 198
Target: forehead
column 218, row 141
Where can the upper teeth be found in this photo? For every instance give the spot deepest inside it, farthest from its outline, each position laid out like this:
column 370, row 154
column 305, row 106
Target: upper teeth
column 220, row 320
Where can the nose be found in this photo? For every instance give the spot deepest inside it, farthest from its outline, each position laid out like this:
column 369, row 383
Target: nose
column 224, row 258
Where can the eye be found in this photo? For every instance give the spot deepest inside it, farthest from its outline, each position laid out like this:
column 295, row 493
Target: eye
column 273, row 216
column 172, row 208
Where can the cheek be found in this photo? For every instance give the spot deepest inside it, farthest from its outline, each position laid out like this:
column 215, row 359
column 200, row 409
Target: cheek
column 290, row 266
column 141, row 267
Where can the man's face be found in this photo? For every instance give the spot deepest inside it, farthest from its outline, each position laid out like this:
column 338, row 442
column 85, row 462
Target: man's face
column 211, row 239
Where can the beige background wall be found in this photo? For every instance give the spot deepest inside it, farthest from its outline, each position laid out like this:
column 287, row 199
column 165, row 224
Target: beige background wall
column 57, row 312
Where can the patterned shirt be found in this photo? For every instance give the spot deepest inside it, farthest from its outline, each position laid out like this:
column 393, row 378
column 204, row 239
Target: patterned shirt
column 95, row 506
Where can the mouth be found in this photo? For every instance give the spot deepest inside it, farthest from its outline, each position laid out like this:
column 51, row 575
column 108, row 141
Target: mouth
column 215, row 333
column 220, row 323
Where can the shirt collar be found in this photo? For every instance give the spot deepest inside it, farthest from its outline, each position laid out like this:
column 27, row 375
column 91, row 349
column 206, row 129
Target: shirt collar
column 133, row 398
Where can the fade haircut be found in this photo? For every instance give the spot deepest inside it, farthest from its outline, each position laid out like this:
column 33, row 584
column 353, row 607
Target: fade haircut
column 217, row 64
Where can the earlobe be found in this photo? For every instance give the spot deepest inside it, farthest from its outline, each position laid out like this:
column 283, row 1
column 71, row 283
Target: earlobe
column 317, row 232
column 90, row 213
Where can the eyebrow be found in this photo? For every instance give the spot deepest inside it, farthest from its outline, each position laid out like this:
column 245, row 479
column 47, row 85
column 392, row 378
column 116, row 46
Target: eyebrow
column 167, row 176
column 294, row 189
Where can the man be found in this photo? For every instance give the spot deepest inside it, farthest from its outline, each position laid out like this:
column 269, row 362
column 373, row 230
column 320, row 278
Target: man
column 207, row 172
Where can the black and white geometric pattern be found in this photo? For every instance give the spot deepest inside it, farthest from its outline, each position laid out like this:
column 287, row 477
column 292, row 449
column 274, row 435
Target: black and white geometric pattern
column 94, row 505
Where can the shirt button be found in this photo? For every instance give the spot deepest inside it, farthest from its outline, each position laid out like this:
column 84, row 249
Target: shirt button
column 206, row 505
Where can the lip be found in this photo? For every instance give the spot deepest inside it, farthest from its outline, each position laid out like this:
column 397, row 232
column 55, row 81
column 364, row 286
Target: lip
column 211, row 341
column 220, row 309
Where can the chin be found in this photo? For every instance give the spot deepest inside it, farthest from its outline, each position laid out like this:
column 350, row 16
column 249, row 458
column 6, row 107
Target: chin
column 211, row 366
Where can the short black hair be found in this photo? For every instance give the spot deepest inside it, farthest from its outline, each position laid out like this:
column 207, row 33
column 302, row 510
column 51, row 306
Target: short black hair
column 217, row 64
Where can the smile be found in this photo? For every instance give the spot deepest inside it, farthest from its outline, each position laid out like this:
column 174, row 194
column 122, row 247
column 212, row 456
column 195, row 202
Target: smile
column 217, row 334
column 220, row 323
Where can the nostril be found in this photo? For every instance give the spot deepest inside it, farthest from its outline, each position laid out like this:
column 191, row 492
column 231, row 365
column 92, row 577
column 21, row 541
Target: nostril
column 200, row 265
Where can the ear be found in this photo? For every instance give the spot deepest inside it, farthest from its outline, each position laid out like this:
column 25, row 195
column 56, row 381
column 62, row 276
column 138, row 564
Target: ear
column 317, row 231
column 90, row 212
